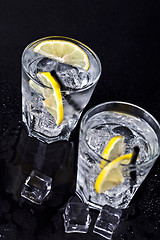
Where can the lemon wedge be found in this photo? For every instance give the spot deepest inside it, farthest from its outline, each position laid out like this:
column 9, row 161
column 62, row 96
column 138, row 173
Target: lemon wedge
column 113, row 150
column 52, row 94
column 111, row 175
column 63, row 51
column 37, row 88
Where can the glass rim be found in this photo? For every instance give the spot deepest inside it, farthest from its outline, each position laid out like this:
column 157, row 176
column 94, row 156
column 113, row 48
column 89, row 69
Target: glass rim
column 68, row 39
column 99, row 157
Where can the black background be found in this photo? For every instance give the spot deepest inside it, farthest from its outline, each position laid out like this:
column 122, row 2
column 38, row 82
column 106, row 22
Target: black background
column 125, row 36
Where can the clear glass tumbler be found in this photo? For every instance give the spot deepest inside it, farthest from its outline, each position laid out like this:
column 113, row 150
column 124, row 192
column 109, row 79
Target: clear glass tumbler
column 54, row 87
column 114, row 182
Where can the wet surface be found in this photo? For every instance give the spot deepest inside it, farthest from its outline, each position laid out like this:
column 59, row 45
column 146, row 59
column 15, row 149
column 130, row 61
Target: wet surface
column 21, row 154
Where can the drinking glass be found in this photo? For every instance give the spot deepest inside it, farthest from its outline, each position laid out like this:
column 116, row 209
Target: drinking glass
column 98, row 126
column 76, row 88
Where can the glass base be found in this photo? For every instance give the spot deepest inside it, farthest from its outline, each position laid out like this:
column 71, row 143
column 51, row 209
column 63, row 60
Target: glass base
column 98, row 206
column 46, row 139
column 42, row 137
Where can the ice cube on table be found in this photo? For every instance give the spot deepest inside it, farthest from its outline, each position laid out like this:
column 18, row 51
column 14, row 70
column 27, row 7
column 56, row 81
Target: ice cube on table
column 76, row 217
column 107, row 221
column 36, row 187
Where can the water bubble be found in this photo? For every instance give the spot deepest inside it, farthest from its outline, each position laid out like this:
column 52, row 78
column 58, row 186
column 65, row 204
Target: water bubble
column 130, row 229
column 4, row 105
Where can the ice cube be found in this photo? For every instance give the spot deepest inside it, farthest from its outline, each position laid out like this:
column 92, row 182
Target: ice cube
column 68, row 76
column 36, row 187
column 97, row 139
column 76, row 217
column 47, row 65
column 72, row 77
column 107, row 221
column 84, row 77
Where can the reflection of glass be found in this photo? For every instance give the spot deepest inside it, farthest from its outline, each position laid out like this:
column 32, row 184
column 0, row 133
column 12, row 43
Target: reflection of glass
column 77, row 86
column 98, row 126
column 55, row 161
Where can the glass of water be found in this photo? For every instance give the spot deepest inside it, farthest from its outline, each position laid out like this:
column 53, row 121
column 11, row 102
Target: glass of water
column 116, row 129
column 59, row 75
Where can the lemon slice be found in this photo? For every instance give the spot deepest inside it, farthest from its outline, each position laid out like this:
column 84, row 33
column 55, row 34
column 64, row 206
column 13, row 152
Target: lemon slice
column 63, row 51
column 53, row 98
column 113, row 150
column 111, row 175
column 37, row 88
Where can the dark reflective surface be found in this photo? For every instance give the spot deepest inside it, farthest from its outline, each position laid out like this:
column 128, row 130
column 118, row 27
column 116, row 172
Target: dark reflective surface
column 125, row 36
column 19, row 155
column 22, row 154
